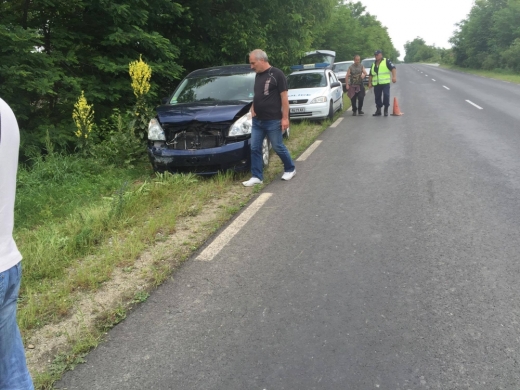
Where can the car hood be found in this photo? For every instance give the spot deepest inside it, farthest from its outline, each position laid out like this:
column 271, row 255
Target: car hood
column 307, row 93
column 179, row 114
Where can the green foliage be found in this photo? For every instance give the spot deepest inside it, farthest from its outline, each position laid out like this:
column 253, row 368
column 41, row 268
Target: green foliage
column 488, row 38
column 418, row 51
column 54, row 49
column 351, row 31
column 119, row 145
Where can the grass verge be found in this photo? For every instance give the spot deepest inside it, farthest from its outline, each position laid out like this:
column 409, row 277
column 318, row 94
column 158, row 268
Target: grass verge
column 498, row 74
column 89, row 258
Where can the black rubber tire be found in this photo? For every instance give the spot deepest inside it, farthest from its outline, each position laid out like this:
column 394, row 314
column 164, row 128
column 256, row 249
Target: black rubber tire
column 331, row 111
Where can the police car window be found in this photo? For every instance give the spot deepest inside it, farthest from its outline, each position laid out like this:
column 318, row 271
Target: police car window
column 331, row 78
column 306, row 80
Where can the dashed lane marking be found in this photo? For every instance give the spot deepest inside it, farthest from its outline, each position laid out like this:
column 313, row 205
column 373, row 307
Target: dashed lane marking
column 446, row 87
column 434, row 80
column 223, row 238
column 473, row 104
column 309, row 150
column 338, row 121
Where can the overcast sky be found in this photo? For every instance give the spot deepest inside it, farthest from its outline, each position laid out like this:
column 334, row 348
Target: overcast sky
column 434, row 21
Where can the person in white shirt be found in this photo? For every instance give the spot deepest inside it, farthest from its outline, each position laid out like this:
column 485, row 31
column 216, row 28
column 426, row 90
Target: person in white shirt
column 14, row 374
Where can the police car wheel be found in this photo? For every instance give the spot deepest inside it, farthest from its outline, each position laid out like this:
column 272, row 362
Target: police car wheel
column 265, row 152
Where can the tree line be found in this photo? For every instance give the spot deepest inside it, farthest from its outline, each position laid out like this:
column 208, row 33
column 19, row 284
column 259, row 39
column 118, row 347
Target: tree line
column 52, row 50
column 489, row 38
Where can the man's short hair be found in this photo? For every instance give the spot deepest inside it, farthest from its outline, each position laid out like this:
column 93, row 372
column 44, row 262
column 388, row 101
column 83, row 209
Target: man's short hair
column 357, row 56
column 259, row 54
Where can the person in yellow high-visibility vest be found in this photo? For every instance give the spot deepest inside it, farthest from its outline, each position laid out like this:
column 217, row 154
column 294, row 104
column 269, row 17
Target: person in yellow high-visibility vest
column 381, row 73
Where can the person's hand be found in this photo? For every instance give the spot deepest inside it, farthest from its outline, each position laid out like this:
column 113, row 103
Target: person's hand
column 346, row 86
column 369, row 85
column 394, row 79
column 285, row 124
column 253, row 114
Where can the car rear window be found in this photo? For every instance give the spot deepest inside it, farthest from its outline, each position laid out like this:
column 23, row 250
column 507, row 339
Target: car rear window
column 306, row 80
column 367, row 63
column 215, row 88
column 342, row 67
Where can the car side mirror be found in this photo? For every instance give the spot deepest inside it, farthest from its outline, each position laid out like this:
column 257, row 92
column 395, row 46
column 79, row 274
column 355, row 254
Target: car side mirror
column 164, row 100
column 335, row 84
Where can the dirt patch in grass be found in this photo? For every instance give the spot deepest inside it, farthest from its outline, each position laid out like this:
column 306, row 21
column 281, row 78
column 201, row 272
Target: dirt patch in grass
column 130, row 285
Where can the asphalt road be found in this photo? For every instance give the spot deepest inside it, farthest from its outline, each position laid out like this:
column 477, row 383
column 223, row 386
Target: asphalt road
column 391, row 261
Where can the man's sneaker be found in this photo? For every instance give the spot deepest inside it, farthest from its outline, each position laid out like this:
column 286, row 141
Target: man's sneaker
column 378, row 112
column 386, row 111
column 251, row 182
column 288, row 175
column 354, row 113
column 361, row 112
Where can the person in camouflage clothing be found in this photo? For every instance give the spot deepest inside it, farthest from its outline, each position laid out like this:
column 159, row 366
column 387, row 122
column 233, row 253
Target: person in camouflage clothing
column 355, row 89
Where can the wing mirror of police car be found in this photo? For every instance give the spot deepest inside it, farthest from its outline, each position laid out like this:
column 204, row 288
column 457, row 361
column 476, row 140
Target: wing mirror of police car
column 335, row 84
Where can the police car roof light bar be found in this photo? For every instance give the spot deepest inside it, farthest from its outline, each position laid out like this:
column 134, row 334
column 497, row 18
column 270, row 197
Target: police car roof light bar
column 321, row 65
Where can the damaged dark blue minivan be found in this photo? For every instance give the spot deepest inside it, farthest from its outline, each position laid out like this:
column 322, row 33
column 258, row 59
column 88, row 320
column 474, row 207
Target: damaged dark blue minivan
column 205, row 126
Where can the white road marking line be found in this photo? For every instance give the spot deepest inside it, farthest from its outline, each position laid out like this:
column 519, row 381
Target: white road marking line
column 446, row 87
column 338, row 121
column 426, row 75
column 223, row 239
column 473, row 104
column 309, row 150
column 434, row 80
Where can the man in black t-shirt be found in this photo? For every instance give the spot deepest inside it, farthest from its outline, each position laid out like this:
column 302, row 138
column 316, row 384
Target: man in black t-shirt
column 270, row 112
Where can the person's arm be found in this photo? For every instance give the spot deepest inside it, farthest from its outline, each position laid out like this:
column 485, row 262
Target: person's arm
column 253, row 113
column 391, row 66
column 370, row 80
column 347, row 78
column 285, row 110
column 363, row 73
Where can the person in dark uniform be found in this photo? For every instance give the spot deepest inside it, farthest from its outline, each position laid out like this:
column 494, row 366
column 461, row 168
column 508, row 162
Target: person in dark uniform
column 270, row 112
column 381, row 73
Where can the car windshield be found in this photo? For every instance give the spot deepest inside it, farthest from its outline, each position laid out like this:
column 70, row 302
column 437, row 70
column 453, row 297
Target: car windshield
column 306, row 80
column 215, row 88
column 342, row 67
column 368, row 63
column 317, row 58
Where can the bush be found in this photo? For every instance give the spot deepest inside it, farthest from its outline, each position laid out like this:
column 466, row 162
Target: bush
column 119, row 145
column 511, row 56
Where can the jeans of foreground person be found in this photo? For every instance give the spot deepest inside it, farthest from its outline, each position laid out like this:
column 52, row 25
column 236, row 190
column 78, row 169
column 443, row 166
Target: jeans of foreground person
column 273, row 130
column 13, row 369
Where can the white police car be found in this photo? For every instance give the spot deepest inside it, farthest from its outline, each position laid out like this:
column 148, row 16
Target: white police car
column 314, row 90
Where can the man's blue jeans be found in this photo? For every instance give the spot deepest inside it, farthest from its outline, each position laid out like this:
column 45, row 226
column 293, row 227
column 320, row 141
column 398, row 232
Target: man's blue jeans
column 383, row 89
column 13, row 368
column 273, row 130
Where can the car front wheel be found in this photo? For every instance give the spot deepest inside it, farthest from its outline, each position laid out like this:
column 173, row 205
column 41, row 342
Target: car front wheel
column 331, row 111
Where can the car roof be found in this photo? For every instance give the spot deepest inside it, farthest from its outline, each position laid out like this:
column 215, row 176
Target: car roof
column 222, row 70
column 343, row 62
column 320, row 70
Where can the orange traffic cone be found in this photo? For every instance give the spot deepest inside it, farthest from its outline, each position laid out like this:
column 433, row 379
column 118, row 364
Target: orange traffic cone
column 397, row 111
